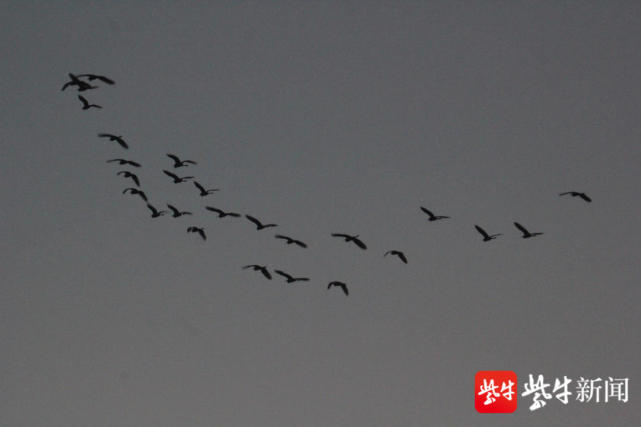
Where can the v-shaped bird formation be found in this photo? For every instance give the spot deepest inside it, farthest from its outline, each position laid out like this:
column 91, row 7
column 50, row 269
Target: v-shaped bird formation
column 89, row 82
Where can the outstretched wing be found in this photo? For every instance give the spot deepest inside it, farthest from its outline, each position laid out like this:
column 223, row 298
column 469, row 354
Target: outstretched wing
column 285, row 275
column 105, row 135
column 200, row 187
column 299, row 243
column 585, row 197
column 520, row 227
column 173, row 209
column 359, row 243
column 122, row 143
column 266, row 273
column 202, row 233
column 254, row 220
column 483, row 232
column 345, row 236
column 402, row 256
column 84, row 101
column 213, row 209
column 173, row 157
column 427, row 211
column 171, row 175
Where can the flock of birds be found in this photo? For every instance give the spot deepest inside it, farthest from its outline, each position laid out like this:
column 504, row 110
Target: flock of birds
column 82, row 82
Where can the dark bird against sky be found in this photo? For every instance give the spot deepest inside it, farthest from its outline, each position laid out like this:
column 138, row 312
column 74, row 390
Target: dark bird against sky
column 85, row 104
column 399, row 254
column 117, row 138
column 486, row 237
column 199, row 230
column 349, row 238
column 261, row 268
column 204, row 192
column 125, row 162
column 290, row 278
column 431, row 216
column 133, row 176
column 176, row 212
column 135, row 191
column 180, row 163
column 92, row 77
column 177, row 179
column 155, row 213
column 526, row 234
column 259, row 225
column 221, row 213
column 75, row 81
column 290, row 241
column 338, row 284
column 577, row 194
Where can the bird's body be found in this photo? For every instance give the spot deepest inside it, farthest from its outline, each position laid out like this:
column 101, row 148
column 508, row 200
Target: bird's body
column 526, row 233
column 259, row 225
column 399, row 254
column 155, row 213
column 431, row 216
column 180, row 163
column 177, row 179
column 85, row 104
column 176, row 212
column 199, row 230
column 290, row 241
column 221, row 213
column 136, row 192
column 486, row 237
column 584, row 196
column 338, row 284
column 124, row 162
column 203, row 191
column 116, row 138
column 261, row 268
column 133, row 176
column 349, row 238
column 290, row 278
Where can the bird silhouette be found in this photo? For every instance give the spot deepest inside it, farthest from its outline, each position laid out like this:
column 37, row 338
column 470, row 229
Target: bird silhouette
column 180, row 163
column 177, row 213
column 526, row 234
column 259, row 225
column 124, row 162
column 486, row 237
column 261, row 268
column 204, row 192
column 290, row 278
column 75, row 81
column 92, row 77
column 199, row 230
column 85, row 104
column 221, row 213
column 117, row 138
column 135, row 191
column 433, row 217
column 399, row 254
column 576, row 193
column 133, row 176
column 176, row 178
column 349, row 238
column 338, row 284
column 155, row 213
column 289, row 240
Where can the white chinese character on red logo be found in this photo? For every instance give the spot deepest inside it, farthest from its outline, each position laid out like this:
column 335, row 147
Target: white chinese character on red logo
column 490, row 391
column 506, row 389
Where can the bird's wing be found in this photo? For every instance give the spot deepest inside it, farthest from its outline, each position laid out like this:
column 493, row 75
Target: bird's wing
column 173, row 209
column 83, row 100
column 402, row 256
column 200, row 187
column 360, row 243
column 266, row 273
column 343, row 286
column 105, row 135
column 427, row 211
column 122, row 143
column 233, row 214
column 142, row 194
column 173, row 157
column 302, row 279
column 105, row 80
column 191, row 162
column 202, row 233
column 171, row 175
column 213, row 209
column 520, row 227
column 585, row 197
column 285, row 275
column 280, row 236
column 152, row 209
column 480, row 230
column 136, row 164
column 341, row 235
column 254, row 220
column 299, row 243
column 564, row 193
column 135, row 178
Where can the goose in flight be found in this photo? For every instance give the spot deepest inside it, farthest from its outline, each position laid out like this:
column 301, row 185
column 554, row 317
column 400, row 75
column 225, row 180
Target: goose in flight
column 338, row 284
column 135, row 191
column 221, row 213
column 290, row 278
column 576, row 193
column 349, row 238
column 204, row 192
column 431, row 216
column 124, row 162
column 133, row 176
column 75, row 81
column 176, row 178
column 289, row 240
column 486, row 237
column 261, row 268
column 117, row 138
column 259, row 225
column 92, row 77
column 399, row 254
column 177, row 213
column 155, row 213
column 85, row 104
column 179, row 163
column 526, row 234
column 198, row 230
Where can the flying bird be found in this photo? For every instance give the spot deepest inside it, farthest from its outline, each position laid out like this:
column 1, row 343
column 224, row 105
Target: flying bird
column 349, row 238
column 179, row 163
column 117, row 138
column 526, row 234
column 176, row 178
column 198, row 230
column 486, row 237
column 135, row 191
column 259, row 225
column 177, row 213
column 124, row 162
column 92, row 77
column 289, row 240
column 338, row 284
column 155, row 213
column 85, row 104
column 399, row 254
column 290, row 278
column 128, row 174
column 204, row 192
column 221, row 213
column 75, row 81
column 576, row 193
column 433, row 217
column 261, row 268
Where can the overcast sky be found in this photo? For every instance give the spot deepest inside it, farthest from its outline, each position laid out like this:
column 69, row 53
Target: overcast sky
column 321, row 117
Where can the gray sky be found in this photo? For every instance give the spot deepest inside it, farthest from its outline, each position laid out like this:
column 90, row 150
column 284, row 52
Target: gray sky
column 322, row 117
